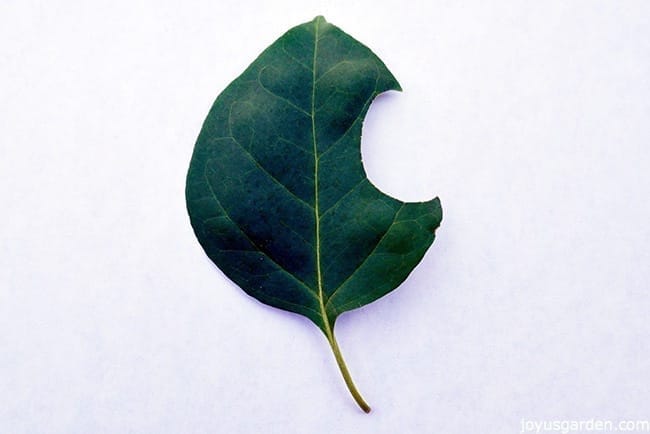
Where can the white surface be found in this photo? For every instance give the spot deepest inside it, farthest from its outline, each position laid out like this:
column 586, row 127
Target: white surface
column 530, row 120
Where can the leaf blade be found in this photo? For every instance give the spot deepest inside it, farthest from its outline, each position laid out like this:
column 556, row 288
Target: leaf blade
column 276, row 191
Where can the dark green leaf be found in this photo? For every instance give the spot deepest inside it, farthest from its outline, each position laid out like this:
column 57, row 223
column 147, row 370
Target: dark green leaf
column 277, row 193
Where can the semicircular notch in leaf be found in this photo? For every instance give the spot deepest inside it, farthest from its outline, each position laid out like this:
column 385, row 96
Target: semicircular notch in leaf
column 276, row 190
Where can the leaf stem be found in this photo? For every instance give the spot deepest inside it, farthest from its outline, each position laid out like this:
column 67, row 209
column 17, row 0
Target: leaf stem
column 346, row 373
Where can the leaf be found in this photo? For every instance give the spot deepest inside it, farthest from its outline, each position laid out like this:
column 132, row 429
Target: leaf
column 276, row 191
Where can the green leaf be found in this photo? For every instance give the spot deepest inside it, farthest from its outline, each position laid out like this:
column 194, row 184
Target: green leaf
column 276, row 191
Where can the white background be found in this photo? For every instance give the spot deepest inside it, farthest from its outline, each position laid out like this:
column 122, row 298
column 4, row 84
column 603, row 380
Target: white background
column 530, row 120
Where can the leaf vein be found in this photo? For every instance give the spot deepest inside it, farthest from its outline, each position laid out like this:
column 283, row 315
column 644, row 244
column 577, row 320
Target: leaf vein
column 340, row 199
column 331, row 296
column 257, row 163
column 294, row 58
column 257, row 246
column 270, row 92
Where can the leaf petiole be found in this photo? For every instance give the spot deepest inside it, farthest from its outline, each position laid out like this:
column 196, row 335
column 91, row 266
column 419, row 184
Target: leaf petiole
column 345, row 372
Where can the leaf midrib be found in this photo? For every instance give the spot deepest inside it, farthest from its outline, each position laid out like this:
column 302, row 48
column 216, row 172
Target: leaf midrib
column 319, row 277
